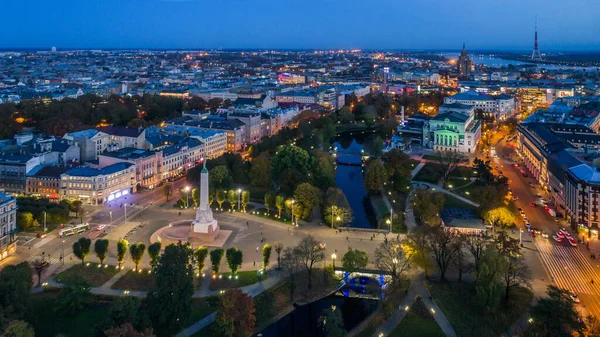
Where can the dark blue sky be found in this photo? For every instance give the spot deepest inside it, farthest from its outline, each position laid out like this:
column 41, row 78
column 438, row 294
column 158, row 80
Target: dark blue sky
column 367, row 24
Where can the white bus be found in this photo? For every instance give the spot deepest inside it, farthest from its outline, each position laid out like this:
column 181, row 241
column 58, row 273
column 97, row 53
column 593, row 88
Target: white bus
column 73, row 229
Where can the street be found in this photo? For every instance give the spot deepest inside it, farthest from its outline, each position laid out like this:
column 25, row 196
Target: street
column 569, row 267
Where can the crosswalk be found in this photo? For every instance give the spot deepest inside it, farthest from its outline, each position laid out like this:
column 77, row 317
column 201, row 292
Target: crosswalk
column 571, row 270
column 52, row 260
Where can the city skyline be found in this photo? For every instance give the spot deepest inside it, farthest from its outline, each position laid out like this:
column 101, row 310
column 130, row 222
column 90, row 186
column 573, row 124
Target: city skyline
column 183, row 24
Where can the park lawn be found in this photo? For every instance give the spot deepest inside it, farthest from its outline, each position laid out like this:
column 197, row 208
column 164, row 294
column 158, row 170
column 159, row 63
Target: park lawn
column 244, row 278
column 457, row 301
column 452, row 202
column 418, row 322
column 273, row 215
column 456, row 183
column 135, row 281
column 431, row 173
column 90, row 272
column 40, row 228
column 143, row 281
column 201, row 307
column 47, row 323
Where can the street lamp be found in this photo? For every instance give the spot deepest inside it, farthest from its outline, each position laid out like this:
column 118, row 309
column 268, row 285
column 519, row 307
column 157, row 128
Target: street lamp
column 44, row 222
column 187, row 200
column 111, row 221
column 293, row 201
column 125, row 211
column 333, row 257
column 239, row 196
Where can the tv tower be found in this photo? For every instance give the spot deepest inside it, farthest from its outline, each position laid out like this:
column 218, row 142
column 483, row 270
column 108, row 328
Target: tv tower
column 536, row 51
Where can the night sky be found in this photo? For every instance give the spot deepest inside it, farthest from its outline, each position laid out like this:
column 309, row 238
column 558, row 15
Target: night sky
column 301, row 24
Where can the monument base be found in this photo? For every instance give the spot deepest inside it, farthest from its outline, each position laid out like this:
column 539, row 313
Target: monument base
column 183, row 231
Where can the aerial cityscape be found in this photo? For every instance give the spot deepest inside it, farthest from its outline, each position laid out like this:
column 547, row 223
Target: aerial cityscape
column 317, row 169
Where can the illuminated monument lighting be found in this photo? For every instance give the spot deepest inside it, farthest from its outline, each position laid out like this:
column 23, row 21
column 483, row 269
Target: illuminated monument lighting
column 205, row 227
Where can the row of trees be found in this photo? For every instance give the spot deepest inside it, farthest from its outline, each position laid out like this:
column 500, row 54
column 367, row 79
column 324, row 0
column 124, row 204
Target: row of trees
column 31, row 211
column 192, row 198
column 82, row 248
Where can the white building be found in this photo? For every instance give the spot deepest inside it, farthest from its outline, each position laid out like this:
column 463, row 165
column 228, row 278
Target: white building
column 179, row 158
column 8, row 225
column 500, row 106
column 96, row 186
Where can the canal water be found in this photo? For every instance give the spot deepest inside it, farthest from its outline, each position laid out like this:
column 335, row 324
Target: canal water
column 304, row 321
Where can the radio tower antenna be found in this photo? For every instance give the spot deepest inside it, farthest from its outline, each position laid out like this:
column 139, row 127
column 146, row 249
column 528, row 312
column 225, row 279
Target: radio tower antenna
column 536, row 51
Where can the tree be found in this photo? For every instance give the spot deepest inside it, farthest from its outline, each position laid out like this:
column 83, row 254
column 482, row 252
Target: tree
column 81, row 249
column 127, row 330
column 24, row 220
column 446, row 162
column 555, row 315
column 220, row 178
column 376, row 147
column 74, row 296
column 280, row 203
column 200, row 255
column 427, row 205
column 260, row 170
column 354, row 259
column 476, row 244
column 333, row 322
column 278, row 248
column 232, row 196
column 375, row 176
column 488, row 198
column 324, row 170
column 460, row 257
column 221, row 198
column 306, row 197
column 234, row 259
column 77, row 204
column 154, row 253
column 489, row 279
column 196, row 196
column 592, row 328
column 288, row 158
column 167, row 191
column 337, row 209
column 122, row 246
column 245, row 199
column 516, row 272
column 266, row 256
column 15, row 284
column 269, row 200
column 235, row 306
column 500, row 216
column 18, row 328
column 345, row 115
column 416, row 249
column 136, row 251
column 484, row 170
column 290, row 263
column 390, row 256
column 215, row 259
column 169, row 303
column 101, row 250
column 396, row 162
column 442, row 246
column 309, row 251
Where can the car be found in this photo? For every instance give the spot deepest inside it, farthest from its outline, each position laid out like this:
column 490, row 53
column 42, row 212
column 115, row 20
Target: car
column 574, row 297
column 532, row 204
column 42, row 264
column 557, row 239
column 536, row 230
column 40, row 235
column 516, row 165
column 532, row 232
column 572, row 242
column 520, row 209
column 544, row 234
column 100, row 227
column 546, row 207
column 560, row 235
column 564, row 231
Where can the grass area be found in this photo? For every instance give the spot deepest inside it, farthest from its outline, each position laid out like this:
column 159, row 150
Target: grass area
column 431, row 173
column 244, row 278
column 434, row 157
column 272, row 303
column 143, row 281
column 135, row 281
column 452, row 202
column 455, row 183
column 273, row 215
column 257, row 194
column 457, row 301
column 379, row 206
column 47, row 323
column 201, row 307
column 418, row 322
column 91, row 272
column 40, row 229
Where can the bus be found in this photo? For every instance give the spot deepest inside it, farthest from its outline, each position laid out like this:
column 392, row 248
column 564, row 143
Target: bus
column 73, row 229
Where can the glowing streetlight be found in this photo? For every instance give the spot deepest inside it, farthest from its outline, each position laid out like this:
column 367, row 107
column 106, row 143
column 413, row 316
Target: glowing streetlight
column 333, row 257
column 187, row 201
column 239, row 196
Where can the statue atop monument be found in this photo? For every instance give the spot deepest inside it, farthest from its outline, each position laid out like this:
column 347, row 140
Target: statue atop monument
column 205, row 227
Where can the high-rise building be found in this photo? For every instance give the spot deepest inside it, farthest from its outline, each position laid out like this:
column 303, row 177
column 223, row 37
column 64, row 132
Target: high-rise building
column 464, row 63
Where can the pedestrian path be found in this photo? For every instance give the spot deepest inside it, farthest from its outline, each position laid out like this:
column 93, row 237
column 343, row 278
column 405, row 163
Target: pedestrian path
column 417, row 289
column 440, row 189
column 416, row 170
